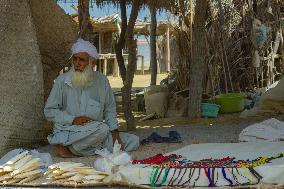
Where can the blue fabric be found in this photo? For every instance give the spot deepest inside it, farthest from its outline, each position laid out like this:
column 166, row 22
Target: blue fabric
column 174, row 137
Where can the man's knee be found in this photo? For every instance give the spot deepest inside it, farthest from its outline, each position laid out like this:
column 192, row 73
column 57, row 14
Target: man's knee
column 103, row 130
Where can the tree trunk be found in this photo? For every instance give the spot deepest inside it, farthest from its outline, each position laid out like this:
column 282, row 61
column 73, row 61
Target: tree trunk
column 198, row 66
column 131, row 66
column 84, row 19
column 153, row 49
column 121, row 41
column 226, row 67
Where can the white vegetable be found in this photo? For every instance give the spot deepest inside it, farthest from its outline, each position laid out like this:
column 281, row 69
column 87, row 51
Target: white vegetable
column 8, row 168
column 12, row 181
column 89, row 171
column 22, row 161
column 95, row 177
column 66, row 166
column 17, row 158
column 28, row 179
column 77, row 178
column 28, row 166
column 91, row 182
column 28, row 174
column 5, row 177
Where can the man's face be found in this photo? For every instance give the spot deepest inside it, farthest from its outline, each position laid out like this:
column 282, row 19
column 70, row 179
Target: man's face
column 80, row 61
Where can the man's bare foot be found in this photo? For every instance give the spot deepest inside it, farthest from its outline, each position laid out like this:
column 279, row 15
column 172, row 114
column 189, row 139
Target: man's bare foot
column 63, row 151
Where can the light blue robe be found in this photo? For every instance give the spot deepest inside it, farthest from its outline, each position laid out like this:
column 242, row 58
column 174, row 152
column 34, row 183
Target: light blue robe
column 96, row 101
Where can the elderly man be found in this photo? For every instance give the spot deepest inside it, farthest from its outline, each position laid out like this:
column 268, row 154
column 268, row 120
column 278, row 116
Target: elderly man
column 82, row 107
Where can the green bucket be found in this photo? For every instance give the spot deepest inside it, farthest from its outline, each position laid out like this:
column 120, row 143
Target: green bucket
column 209, row 110
column 230, row 103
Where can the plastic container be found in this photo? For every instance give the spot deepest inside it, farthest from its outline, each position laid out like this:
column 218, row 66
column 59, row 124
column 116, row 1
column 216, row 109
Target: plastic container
column 209, row 110
column 230, row 103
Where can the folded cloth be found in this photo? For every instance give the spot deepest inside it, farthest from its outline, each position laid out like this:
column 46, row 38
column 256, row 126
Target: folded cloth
column 154, row 137
column 174, row 137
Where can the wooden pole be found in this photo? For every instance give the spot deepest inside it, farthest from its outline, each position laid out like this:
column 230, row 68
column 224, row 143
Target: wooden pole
column 168, row 68
column 224, row 69
column 223, row 48
column 105, row 66
column 191, row 22
column 257, row 82
column 115, row 68
column 261, row 76
column 100, row 42
column 100, row 66
column 142, row 65
column 158, row 62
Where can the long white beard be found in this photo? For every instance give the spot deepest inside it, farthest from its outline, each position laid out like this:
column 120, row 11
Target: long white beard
column 81, row 80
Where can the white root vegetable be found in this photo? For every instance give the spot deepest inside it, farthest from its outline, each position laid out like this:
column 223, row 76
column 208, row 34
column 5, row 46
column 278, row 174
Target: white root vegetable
column 66, row 166
column 95, row 177
column 5, row 177
column 91, row 182
column 89, row 171
column 8, row 168
column 22, row 161
column 77, row 178
column 17, row 158
column 28, row 166
column 30, row 178
column 12, row 181
column 28, row 174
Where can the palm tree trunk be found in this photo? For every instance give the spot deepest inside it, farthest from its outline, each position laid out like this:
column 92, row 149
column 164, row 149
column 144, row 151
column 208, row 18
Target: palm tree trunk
column 121, row 41
column 153, row 33
column 131, row 66
column 198, row 66
column 84, row 19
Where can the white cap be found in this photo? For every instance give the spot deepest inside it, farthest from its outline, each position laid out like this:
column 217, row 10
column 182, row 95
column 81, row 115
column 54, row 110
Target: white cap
column 85, row 46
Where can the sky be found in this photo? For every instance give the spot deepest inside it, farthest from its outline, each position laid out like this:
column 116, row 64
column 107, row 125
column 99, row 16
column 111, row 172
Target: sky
column 107, row 10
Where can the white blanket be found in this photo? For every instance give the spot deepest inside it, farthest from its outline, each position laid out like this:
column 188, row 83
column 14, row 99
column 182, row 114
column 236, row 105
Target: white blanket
column 271, row 172
column 269, row 130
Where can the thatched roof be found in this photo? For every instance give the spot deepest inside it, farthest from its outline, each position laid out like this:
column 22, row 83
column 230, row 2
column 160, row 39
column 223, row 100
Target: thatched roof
column 159, row 4
column 143, row 28
column 111, row 23
column 103, row 24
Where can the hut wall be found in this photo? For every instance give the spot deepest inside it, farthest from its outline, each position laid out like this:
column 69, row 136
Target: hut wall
column 55, row 32
column 21, row 76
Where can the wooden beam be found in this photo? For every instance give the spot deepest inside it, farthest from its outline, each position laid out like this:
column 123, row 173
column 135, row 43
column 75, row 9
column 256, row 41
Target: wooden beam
column 168, row 67
column 105, row 67
column 191, row 29
column 100, row 42
column 115, row 68
column 142, row 65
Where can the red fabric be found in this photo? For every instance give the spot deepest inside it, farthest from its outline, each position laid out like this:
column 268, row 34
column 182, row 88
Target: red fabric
column 156, row 160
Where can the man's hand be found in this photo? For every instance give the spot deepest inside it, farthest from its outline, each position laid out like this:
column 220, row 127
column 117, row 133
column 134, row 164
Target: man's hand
column 81, row 120
column 115, row 136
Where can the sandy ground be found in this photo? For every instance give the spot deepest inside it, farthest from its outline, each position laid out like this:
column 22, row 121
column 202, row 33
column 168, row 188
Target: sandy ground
column 140, row 81
column 224, row 129
column 205, row 131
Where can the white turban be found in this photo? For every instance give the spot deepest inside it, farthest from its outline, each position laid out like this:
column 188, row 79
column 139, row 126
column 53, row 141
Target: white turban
column 84, row 46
